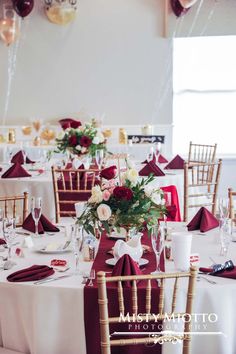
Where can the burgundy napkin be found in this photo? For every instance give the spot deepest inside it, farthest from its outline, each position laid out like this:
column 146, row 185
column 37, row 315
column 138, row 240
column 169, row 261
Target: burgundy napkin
column 162, row 159
column 151, row 167
column 2, row 242
column 153, row 160
column 204, row 221
column 19, row 157
column 109, row 172
column 44, row 224
column 177, row 163
column 225, row 274
column 36, row 272
column 126, row 266
column 15, row 171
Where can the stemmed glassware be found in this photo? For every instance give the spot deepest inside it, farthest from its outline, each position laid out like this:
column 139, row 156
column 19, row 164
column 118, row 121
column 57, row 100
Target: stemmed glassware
column 225, row 225
column 150, row 155
column 158, row 150
column 99, row 156
column 77, row 241
column 36, row 211
column 91, row 277
column 157, row 239
column 9, row 226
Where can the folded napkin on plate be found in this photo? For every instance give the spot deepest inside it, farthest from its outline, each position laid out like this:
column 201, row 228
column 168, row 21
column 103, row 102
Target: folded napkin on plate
column 225, row 274
column 19, row 157
column 36, row 272
column 109, row 172
column 2, row 242
column 151, row 167
column 162, row 159
column 204, row 221
column 126, row 266
column 177, row 163
column 44, row 225
column 153, row 160
column 15, row 171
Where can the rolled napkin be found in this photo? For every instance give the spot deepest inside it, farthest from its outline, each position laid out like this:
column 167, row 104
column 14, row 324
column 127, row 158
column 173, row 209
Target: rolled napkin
column 151, row 167
column 204, row 221
column 177, row 163
column 225, row 274
column 15, row 171
column 2, row 241
column 109, row 172
column 36, row 272
column 44, row 225
column 19, row 157
column 126, row 266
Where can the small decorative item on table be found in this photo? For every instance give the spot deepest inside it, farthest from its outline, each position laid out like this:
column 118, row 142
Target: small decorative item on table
column 123, row 138
column 134, row 205
column 26, row 129
column 37, row 141
column 11, row 136
column 36, row 124
column 147, row 129
column 81, row 140
column 48, row 134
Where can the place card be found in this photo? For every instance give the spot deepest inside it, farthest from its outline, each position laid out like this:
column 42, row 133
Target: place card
column 28, row 242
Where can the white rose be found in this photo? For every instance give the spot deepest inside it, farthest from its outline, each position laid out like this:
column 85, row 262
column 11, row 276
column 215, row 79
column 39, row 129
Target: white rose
column 78, row 147
column 96, row 196
column 130, row 163
column 104, row 212
column 96, row 140
column 132, row 175
column 156, row 198
column 100, row 136
column 148, row 191
column 83, row 149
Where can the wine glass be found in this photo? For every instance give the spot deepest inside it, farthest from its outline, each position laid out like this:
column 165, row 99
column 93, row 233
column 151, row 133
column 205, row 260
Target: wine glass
column 91, row 277
column 36, row 211
column 157, row 245
column 99, row 155
column 223, row 205
column 158, row 150
column 77, row 240
column 167, row 197
column 225, row 236
column 150, row 155
column 9, row 226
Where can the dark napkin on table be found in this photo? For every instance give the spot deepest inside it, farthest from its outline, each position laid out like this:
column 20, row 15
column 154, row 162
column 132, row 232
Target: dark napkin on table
column 109, row 172
column 177, row 163
column 151, row 167
column 162, row 159
column 204, row 221
column 15, row 171
column 19, row 157
column 126, row 266
column 36, row 272
column 44, row 224
column 153, row 160
column 2, row 241
column 224, row 274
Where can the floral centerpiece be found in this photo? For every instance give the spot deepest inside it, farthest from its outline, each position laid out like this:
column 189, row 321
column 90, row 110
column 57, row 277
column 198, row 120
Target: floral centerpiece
column 135, row 204
column 81, row 140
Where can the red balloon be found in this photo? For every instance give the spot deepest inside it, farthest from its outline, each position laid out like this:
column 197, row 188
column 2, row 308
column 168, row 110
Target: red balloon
column 23, row 7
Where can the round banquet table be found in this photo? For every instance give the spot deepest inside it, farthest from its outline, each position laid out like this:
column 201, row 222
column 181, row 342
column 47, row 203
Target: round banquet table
column 49, row 318
column 42, row 186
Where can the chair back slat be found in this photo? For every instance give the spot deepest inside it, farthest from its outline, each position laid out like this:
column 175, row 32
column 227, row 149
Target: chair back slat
column 16, row 207
column 161, row 297
column 121, row 298
column 134, row 298
column 174, row 295
column 148, row 297
column 200, row 153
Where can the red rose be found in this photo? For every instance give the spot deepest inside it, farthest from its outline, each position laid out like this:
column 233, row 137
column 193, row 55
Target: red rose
column 109, row 172
column 85, row 141
column 65, row 125
column 123, row 193
column 72, row 140
column 75, row 124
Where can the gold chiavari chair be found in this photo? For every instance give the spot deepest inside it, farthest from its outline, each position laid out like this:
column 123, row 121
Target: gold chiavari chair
column 199, row 153
column 105, row 320
column 119, row 161
column 202, row 187
column 231, row 195
column 72, row 186
column 15, row 207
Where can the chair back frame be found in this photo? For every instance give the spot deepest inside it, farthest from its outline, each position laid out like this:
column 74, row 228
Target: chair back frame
column 199, row 153
column 14, row 199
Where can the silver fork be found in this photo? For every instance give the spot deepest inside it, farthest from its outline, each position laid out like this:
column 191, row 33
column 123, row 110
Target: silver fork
column 199, row 277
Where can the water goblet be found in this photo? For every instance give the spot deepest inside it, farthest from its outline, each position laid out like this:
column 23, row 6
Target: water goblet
column 157, row 240
column 225, row 236
column 91, row 277
column 36, row 211
column 77, row 243
column 9, row 226
column 151, row 154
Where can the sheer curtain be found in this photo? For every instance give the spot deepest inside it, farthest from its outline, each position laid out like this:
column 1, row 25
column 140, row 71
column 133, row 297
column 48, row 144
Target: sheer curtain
column 204, row 89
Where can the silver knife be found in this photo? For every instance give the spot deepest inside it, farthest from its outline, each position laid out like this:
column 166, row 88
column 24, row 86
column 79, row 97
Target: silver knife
column 22, row 233
column 53, row 279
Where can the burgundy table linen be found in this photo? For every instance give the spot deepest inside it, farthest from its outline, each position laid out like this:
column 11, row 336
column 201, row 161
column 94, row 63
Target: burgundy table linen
column 44, row 225
column 19, row 157
column 36, row 272
column 91, row 310
column 177, row 163
column 173, row 211
column 16, row 171
column 204, row 221
column 149, row 168
column 225, row 274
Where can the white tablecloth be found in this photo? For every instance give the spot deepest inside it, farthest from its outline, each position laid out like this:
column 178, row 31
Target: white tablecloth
column 49, row 319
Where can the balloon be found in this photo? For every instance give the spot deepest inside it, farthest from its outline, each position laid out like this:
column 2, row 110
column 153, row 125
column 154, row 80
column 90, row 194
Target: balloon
column 9, row 30
column 61, row 14
column 23, row 7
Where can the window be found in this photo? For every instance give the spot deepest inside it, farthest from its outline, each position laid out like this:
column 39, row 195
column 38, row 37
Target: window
column 204, row 83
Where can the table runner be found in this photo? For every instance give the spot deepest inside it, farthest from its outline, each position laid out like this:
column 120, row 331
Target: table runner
column 91, row 310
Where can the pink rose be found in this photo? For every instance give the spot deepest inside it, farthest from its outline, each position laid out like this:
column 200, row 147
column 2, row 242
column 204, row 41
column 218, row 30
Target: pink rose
column 106, row 195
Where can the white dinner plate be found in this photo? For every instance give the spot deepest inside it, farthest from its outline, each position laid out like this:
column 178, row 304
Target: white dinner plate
column 112, row 261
